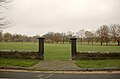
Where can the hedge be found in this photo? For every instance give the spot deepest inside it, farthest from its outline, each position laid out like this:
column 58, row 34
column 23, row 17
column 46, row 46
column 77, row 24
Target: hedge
column 19, row 54
column 98, row 55
column 79, row 55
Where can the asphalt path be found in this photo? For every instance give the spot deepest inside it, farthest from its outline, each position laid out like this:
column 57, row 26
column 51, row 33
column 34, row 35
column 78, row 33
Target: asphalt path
column 52, row 75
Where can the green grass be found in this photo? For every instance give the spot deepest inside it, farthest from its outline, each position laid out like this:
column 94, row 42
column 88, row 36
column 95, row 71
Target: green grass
column 28, row 46
column 98, row 63
column 56, row 51
column 18, row 62
column 98, row 48
column 52, row 51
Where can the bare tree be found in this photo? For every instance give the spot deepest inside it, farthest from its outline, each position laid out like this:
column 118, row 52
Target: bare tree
column 115, row 32
column 103, row 33
column 49, row 37
column 0, row 35
column 4, row 22
column 93, row 35
column 89, row 36
column 57, row 37
column 63, row 37
column 70, row 34
column 80, row 34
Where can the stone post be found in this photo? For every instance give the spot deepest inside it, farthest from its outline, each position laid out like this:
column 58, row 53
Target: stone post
column 41, row 48
column 73, row 48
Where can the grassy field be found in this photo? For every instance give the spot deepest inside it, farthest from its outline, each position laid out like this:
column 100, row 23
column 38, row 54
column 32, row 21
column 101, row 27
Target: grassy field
column 28, row 46
column 57, row 51
column 98, row 48
column 18, row 62
column 98, row 63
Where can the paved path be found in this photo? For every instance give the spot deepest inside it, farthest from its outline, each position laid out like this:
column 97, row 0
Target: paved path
column 43, row 75
column 56, row 65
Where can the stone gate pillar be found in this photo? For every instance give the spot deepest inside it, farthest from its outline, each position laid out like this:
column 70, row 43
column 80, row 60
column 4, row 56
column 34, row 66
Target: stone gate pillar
column 41, row 48
column 73, row 48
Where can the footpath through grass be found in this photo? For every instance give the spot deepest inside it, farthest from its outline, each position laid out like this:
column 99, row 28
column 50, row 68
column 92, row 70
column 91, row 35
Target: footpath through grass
column 115, row 63
column 18, row 62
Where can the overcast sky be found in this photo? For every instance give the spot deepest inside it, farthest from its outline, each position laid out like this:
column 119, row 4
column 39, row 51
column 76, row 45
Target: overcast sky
column 33, row 17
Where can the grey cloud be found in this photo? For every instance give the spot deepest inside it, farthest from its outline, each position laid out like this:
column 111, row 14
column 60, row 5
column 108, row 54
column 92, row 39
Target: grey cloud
column 57, row 15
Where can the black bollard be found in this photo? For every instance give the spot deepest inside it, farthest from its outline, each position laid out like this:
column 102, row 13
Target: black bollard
column 73, row 48
column 41, row 48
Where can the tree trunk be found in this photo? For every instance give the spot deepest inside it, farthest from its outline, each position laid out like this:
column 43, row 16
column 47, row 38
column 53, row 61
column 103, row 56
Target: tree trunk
column 118, row 42
column 101, row 42
column 81, row 40
column 109, row 42
column 0, row 35
column 106, row 43
column 88, row 42
column 92, row 41
column 63, row 40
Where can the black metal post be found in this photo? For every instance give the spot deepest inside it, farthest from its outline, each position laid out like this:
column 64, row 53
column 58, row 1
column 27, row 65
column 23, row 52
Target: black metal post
column 73, row 48
column 41, row 48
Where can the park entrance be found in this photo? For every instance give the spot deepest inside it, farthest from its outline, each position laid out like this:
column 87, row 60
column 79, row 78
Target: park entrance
column 57, row 51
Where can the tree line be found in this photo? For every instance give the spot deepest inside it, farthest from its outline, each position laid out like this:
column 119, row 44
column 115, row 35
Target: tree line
column 104, row 34
column 8, row 37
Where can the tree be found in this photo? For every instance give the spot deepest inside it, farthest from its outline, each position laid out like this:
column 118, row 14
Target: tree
column 63, row 37
column 103, row 33
column 70, row 35
column 17, row 38
column 49, row 37
column 34, row 38
column 4, row 22
column 80, row 34
column 89, row 36
column 7, row 37
column 93, row 35
column 0, row 35
column 57, row 37
column 115, row 32
column 96, row 37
